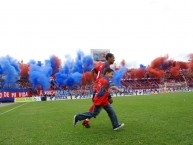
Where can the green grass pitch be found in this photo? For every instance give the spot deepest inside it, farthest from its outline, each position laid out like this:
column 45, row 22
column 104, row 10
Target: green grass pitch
column 164, row 119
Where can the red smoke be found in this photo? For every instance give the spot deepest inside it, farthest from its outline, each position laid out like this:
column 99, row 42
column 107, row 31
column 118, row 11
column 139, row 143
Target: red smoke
column 182, row 65
column 137, row 73
column 24, row 69
column 57, row 64
column 156, row 72
column 191, row 62
column 86, row 77
column 156, row 63
column 175, row 71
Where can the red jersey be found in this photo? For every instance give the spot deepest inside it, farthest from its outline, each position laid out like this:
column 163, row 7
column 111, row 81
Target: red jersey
column 99, row 71
column 102, row 91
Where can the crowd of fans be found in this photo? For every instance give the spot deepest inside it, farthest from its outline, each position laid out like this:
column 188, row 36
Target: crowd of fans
column 163, row 75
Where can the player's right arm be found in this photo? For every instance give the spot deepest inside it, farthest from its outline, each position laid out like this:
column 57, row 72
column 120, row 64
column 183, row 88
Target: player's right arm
column 97, row 70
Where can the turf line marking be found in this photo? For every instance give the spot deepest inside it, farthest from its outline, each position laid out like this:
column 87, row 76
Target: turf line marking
column 13, row 109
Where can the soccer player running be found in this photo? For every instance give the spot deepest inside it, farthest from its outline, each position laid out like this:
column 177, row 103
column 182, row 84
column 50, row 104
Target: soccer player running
column 101, row 101
column 99, row 71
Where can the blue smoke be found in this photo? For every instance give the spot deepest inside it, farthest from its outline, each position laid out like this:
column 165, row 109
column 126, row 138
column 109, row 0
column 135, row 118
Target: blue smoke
column 9, row 68
column 1, row 70
column 73, row 79
column 164, row 65
column 71, row 73
column 60, row 78
column 88, row 63
column 78, row 67
column 40, row 74
column 118, row 75
column 69, row 82
column 64, row 71
column 39, row 63
column 77, row 78
column 142, row 66
column 83, row 63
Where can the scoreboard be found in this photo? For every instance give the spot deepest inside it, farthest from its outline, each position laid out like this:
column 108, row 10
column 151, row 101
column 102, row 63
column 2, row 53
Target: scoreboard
column 99, row 54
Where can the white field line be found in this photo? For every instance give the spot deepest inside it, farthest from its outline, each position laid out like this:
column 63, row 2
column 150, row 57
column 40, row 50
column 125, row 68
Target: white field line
column 12, row 109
